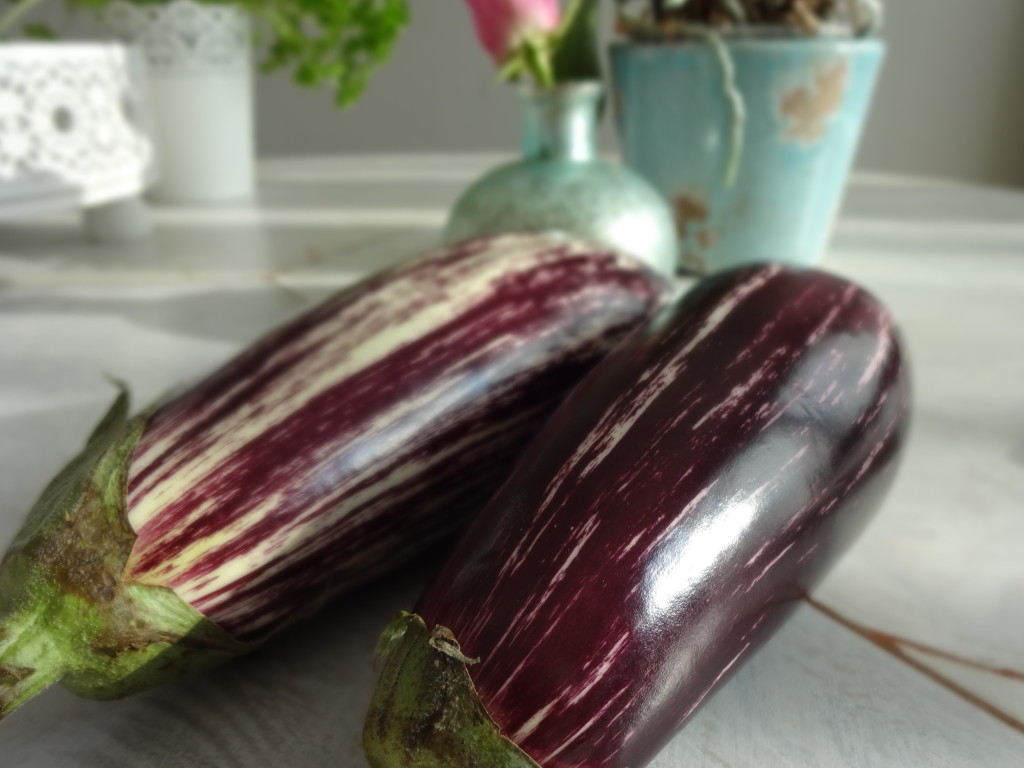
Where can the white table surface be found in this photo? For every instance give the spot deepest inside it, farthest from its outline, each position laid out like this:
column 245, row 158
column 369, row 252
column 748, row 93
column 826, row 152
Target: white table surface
column 843, row 684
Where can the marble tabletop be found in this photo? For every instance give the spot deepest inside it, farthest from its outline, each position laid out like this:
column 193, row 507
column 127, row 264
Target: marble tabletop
column 911, row 653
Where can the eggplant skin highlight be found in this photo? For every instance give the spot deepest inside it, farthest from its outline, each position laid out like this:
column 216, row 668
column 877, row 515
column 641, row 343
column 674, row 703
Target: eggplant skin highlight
column 333, row 449
column 672, row 513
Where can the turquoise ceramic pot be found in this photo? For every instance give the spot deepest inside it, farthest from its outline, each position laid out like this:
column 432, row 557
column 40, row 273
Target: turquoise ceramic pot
column 805, row 99
column 562, row 184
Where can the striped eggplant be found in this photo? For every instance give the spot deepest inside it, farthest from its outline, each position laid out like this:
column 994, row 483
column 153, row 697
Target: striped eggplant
column 673, row 511
column 334, row 448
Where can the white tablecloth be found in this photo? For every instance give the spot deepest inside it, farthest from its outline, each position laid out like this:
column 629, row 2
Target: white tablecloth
column 942, row 566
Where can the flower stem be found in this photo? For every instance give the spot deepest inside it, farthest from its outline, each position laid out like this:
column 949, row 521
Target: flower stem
column 738, row 106
column 645, row 30
column 537, row 61
column 13, row 14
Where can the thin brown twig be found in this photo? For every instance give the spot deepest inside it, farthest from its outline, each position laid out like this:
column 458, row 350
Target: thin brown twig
column 803, row 18
column 275, row 280
column 804, row 15
column 895, row 647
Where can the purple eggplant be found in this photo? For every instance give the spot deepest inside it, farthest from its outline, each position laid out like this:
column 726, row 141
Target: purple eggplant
column 333, row 449
column 672, row 513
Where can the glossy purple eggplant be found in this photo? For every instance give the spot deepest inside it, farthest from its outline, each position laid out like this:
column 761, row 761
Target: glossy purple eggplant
column 671, row 514
column 331, row 450
column 360, row 433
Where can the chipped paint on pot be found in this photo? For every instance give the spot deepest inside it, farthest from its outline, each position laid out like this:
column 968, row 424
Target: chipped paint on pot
column 806, row 102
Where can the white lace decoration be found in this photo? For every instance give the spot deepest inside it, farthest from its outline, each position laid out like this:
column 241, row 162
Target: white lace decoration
column 73, row 123
column 183, row 37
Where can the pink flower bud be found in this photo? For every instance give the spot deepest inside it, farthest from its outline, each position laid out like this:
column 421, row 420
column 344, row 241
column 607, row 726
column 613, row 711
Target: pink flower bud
column 502, row 24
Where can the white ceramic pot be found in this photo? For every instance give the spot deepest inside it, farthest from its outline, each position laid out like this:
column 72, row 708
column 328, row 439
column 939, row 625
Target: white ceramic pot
column 200, row 68
column 75, row 131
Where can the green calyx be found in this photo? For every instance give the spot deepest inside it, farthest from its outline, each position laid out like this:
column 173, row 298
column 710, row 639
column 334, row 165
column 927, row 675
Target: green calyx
column 425, row 712
column 67, row 615
column 577, row 54
column 569, row 54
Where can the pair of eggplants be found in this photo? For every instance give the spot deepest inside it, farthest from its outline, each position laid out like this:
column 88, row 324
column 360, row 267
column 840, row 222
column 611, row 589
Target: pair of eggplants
column 712, row 458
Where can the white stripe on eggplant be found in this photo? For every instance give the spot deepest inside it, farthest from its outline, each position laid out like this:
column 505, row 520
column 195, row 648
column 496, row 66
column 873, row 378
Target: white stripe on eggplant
column 738, row 452
column 186, row 465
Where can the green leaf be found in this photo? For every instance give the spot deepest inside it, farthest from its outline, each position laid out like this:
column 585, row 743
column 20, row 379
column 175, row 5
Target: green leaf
column 537, row 61
column 333, row 44
column 38, row 31
column 577, row 53
column 10, row 18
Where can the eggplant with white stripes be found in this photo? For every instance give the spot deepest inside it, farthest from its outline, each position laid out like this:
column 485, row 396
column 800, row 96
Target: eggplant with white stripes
column 674, row 510
column 333, row 449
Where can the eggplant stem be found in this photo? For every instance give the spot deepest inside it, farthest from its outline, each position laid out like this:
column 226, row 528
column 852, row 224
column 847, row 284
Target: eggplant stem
column 425, row 711
column 31, row 658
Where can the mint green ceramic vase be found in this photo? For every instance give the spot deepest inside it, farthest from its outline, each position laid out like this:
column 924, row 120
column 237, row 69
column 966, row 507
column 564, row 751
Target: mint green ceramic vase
column 561, row 183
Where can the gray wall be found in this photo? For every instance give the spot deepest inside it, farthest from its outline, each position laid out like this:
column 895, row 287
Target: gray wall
column 950, row 103
column 951, row 100
column 438, row 92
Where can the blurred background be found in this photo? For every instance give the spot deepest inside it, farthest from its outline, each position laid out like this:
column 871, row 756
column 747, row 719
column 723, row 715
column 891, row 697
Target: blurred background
column 949, row 104
column 156, row 295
